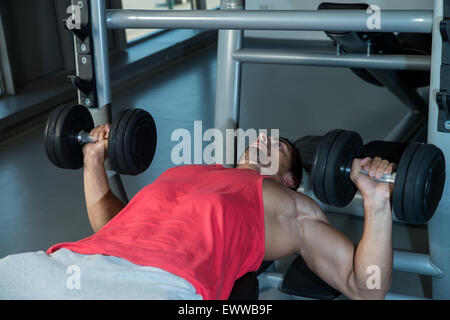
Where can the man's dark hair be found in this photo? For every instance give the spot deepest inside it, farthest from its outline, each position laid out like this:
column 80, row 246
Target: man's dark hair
column 297, row 165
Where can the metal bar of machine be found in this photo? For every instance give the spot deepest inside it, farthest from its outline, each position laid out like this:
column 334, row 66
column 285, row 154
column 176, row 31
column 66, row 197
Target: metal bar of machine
column 419, row 21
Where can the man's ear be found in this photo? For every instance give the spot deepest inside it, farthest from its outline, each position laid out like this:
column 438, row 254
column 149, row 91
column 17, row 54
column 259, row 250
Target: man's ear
column 290, row 180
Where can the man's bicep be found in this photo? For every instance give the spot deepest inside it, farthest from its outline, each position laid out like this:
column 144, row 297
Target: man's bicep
column 329, row 254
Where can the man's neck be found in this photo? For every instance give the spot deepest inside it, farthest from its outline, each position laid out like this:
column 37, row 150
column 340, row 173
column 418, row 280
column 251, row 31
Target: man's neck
column 248, row 167
column 258, row 169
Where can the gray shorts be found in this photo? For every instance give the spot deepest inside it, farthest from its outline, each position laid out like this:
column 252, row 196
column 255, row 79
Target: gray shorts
column 69, row 275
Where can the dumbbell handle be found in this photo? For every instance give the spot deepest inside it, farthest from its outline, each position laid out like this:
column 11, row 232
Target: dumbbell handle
column 387, row 178
column 84, row 137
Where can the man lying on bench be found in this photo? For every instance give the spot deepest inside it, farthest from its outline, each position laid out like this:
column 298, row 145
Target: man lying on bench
column 198, row 228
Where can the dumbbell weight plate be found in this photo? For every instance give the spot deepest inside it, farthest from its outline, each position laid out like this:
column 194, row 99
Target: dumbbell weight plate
column 116, row 152
column 49, row 135
column 319, row 165
column 67, row 124
column 133, row 141
column 422, row 184
column 140, row 142
column 307, row 147
column 70, row 122
column 339, row 188
column 400, row 181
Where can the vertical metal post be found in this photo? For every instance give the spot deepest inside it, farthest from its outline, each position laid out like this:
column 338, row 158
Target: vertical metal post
column 102, row 114
column 198, row 4
column 228, row 84
column 101, row 52
column 439, row 225
column 5, row 65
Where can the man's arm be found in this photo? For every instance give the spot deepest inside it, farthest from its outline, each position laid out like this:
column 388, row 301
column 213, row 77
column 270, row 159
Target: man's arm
column 334, row 258
column 102, row 205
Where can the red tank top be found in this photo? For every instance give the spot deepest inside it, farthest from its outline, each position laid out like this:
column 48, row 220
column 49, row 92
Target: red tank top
column 204, row 223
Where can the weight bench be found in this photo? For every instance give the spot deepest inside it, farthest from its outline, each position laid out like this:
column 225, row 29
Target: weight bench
column 298, row 280
column 247, row 287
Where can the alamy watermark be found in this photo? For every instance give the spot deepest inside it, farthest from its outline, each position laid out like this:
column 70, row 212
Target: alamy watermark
column 374, row 280
column 374, row 21
column 262, row 150
column 73, row 281
column 74, row 20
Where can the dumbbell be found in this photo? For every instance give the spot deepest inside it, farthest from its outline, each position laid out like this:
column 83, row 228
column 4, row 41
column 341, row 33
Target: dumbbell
column 131, row 144
column 418, row 182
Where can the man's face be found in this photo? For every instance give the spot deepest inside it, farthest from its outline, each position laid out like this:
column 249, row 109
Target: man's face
column 268, row 150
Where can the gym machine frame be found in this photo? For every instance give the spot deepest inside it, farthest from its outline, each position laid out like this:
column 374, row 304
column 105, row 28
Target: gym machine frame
column 232, row 19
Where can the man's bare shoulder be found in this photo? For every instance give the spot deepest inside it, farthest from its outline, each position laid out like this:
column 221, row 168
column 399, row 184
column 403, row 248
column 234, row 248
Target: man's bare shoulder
column 280, row 200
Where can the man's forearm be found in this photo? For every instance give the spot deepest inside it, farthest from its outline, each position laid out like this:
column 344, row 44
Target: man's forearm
column 373, row 256
column 102, row 205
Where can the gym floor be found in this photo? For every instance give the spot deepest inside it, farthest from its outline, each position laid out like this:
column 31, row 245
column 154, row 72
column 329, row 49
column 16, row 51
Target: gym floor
column 43, row 205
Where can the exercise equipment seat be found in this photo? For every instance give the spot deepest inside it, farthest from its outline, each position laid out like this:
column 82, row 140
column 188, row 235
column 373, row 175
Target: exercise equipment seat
column 382, row 43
